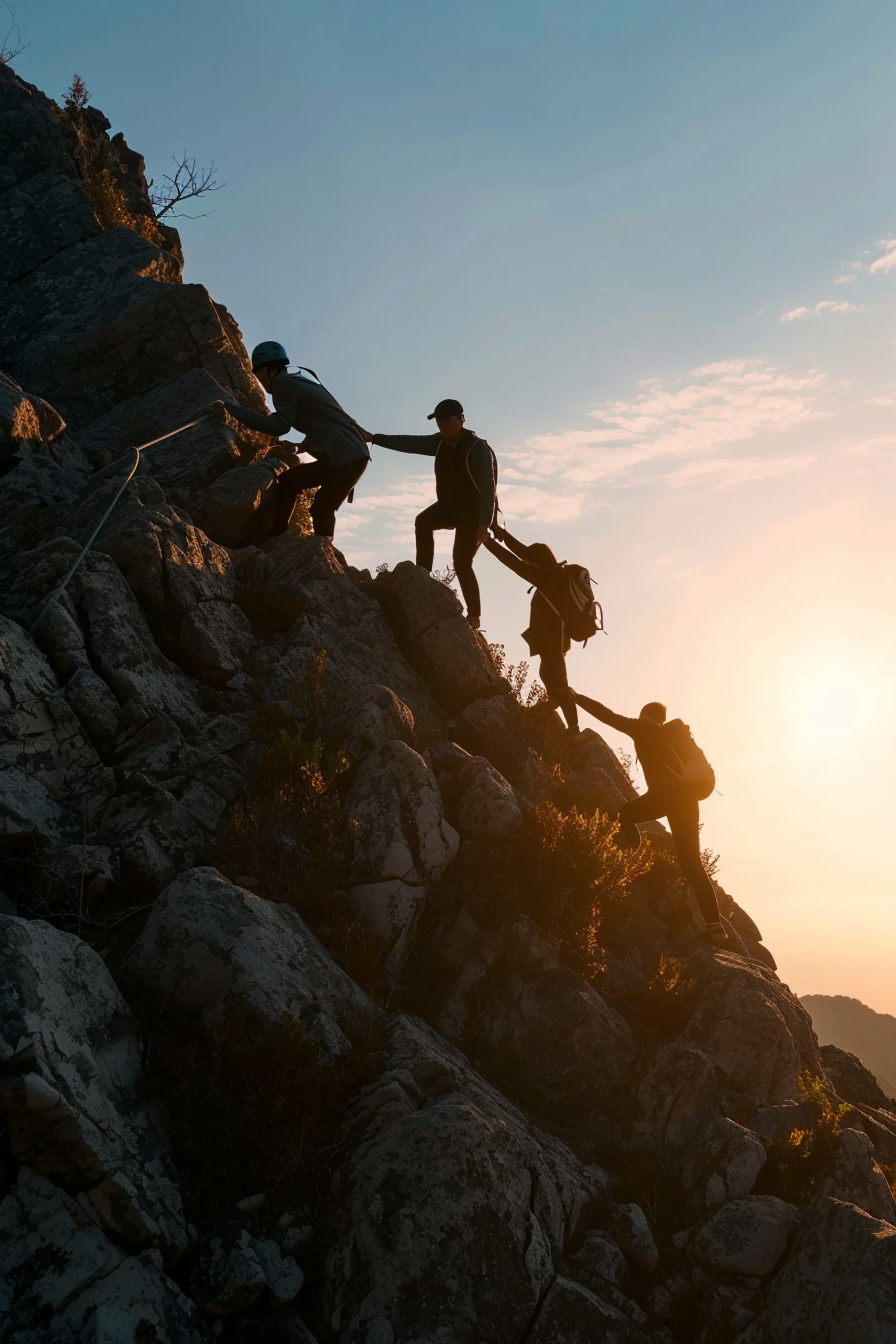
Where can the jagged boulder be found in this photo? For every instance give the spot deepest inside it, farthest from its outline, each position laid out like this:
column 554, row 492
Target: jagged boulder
column 555, row 1030
column 52, row 776
column 450, row 1206
column 684, row 1125
column 186, row 584
column 374, row 717
column 572, row 1314
column 209, row 946
column 71, row 1085
column 857, row 1178
column 748, row 1236
column 237, row 509
column 837, row 1287
column 400, row 842
column 64, row 1280
column 756, row 1032
column 432, row 633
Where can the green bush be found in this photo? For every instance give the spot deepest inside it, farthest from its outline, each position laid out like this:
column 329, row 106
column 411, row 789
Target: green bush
column 797, row 1165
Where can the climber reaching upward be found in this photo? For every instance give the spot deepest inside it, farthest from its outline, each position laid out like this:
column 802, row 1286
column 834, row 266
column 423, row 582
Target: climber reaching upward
column 333, row 438
column 548, row 635
column 466, row 479
column 678, row 777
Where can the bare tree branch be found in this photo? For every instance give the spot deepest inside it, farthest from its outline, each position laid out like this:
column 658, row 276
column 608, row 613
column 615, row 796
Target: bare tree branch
column 187, row 184
column 12, row 44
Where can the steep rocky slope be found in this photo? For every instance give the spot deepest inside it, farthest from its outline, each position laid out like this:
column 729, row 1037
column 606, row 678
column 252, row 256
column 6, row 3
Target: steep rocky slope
column 329, row 1010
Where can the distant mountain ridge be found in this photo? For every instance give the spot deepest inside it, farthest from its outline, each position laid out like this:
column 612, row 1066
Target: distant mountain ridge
column 855, row 1027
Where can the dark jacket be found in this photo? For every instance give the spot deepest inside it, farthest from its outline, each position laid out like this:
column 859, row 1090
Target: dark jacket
column 466, row 472
column 546, row 632
column 651, row 744
column 299, row 403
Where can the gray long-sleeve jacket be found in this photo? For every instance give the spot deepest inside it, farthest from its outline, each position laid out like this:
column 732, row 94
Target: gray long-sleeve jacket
column 304, row 405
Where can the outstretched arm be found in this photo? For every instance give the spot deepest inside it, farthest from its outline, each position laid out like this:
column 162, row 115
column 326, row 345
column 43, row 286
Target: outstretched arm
column 517, row 547
column 409, row 443
column 531, row 573
column 617, row 721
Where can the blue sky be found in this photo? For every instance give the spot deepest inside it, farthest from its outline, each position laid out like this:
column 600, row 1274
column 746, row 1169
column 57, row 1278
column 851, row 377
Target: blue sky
column 647, row 245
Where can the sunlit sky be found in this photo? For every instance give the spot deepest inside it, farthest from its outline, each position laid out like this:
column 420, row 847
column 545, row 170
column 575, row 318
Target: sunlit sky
column 652, row 248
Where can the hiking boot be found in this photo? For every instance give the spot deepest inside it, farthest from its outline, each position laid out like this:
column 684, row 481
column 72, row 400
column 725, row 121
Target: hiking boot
column 714, row 935
column 628, row 837
column 473, row 621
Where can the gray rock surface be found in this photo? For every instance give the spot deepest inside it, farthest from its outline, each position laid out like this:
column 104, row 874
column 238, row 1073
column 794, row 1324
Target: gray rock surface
column 747, row 1236
column 65, row 1281
column 451, row 1205
column 838, row 1286
column 209, row 945
column 72, row 1088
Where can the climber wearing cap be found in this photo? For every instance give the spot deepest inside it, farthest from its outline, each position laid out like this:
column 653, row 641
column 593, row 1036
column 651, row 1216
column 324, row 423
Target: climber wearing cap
column 332, row 437
column 466, row 503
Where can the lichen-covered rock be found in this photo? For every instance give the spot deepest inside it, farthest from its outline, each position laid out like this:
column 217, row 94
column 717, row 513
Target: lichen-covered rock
column 449, row 1207
column 488, row 806
column 209, row 945
column 186, row 584
column 72, row 1091
column 857, row 1178
column 713, row 1158
column 754, row 1030
column 556, row 1031
column 56, row 776
column 837, row 1287
column 435, row 638
column 237, row 509
column 375, row 716
column 748, row 1236
column 572, row 1314
column 64, row 1281
column 226, row 1275
column 398, row 825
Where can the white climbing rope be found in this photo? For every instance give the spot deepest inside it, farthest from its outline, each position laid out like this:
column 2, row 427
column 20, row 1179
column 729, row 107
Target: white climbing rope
column 137, row 450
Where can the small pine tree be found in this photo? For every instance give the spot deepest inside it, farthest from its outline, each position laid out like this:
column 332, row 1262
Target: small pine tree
column 77, row 96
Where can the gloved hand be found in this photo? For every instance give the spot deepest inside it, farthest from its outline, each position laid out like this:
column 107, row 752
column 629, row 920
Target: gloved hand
column 216, row 410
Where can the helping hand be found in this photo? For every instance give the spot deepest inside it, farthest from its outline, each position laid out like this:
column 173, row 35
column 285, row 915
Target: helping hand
column 216, row 410
column 482, row 534
column 498, row 532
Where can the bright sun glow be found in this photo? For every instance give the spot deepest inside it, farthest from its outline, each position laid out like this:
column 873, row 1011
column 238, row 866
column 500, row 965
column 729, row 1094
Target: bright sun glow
column 831, row 698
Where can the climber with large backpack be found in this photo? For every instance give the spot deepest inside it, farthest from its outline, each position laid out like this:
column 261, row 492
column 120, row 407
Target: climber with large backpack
column 332, row 437
column 562, row 609
column 466, row 493
column 678, row 778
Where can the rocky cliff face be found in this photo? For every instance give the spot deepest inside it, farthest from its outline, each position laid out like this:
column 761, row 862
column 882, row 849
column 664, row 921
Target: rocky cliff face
column 329, row 1010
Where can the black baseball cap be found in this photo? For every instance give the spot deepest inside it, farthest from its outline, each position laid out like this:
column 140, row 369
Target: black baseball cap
column 447, row 407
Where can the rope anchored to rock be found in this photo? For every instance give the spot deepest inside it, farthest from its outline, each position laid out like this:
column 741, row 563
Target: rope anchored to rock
column 137, row 450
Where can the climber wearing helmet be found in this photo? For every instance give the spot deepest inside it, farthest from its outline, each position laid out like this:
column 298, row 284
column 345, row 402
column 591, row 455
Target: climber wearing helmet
column 466, row 478
column 332, row 437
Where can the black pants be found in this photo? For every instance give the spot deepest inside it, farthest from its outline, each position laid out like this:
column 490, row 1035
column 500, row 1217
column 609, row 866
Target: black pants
column 552, row 670
column 438, row 517
column 334, row 484
column 683, row 816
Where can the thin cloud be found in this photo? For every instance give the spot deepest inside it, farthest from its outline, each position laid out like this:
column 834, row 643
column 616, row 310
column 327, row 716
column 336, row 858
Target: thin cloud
column 849, row 279
column 718, row 405
column 887, row 261
column 878, row 401
column 871, row 447
column 725, row 472
column 834, row 306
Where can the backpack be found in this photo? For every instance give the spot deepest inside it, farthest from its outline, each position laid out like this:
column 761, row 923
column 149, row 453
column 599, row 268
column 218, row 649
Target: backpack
column 576, row 605
column 689, row 765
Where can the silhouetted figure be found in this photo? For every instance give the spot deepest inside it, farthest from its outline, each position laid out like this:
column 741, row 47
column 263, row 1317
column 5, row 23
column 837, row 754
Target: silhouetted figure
column 332, row 437
column 547, row 636
column 466, row 481
column 676, row 782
